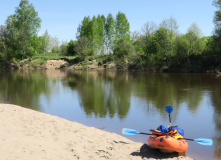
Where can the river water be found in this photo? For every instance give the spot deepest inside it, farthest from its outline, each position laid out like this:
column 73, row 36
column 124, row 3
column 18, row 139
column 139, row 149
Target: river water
column 114, row 100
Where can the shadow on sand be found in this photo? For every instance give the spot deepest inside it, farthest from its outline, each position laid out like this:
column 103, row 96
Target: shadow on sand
column 147, row 152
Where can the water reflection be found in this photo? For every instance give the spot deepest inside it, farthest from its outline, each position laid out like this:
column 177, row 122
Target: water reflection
column 216, row 103
column 109, row 94
column 23, row 88
column 102, row 93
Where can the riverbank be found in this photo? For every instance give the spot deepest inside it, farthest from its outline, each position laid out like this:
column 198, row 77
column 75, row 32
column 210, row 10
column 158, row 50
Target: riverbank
column 108, row 63
column 27, row 134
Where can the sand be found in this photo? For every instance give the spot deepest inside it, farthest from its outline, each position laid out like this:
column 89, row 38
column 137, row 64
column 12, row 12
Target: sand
column 30, row 135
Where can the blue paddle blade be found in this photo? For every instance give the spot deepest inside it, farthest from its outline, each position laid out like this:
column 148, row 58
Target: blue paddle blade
column 207, row 142
column 128, row 131
column 169, row 109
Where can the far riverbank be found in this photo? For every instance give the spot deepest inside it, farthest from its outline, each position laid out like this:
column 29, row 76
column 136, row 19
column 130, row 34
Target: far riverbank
column 74, row 63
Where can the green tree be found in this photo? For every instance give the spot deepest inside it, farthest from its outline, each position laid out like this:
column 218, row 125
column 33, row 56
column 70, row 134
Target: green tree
column 45, row 42
column 95, row 33
column 217, row 32
column 71, row 48
column 83, row 47
column 110, row 33
column 148, row 30
column 181, row 49
column 195, row 43
column 63, row 48
column 159, row 44
column 217, row 17
column 171, row 25
column 84, row 28
column 123, row 47
column 101, row 31
column 3, row 47
column 21, row 31
column 54, row 43
column 122, row 26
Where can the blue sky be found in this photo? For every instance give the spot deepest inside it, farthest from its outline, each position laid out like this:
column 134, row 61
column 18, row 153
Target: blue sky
column 62, row 17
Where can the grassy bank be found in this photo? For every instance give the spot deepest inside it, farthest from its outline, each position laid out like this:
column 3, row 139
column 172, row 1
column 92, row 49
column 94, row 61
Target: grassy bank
column 192, row 63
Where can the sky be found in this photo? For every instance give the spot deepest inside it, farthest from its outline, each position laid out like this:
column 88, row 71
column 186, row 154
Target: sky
column 61, row 18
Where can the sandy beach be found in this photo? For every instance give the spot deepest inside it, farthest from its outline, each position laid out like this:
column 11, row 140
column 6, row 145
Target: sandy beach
column 30, row 135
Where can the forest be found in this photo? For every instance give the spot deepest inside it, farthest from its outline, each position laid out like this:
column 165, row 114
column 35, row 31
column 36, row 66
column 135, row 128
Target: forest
column 159, row 47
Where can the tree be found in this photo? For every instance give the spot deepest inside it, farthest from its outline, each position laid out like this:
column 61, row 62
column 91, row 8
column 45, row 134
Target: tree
column 122, row 27
column 110, row 33
column 46, row 41
column 101, row 31
column 84, row 28
column 148, row 31
column 182, row 48
column 71, row 48
column 21, row 31
column 63, row 48
column 54, row 43
column 159, row 44
column 217, row 32
column 217, row 17
column 138, row 41
column 3, row 47
column 95, row 33
column 170, row 24
column 123, row 47
column 83, row 47
column 195, row 43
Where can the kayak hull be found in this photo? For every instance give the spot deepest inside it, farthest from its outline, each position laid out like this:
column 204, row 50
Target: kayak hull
column 167, row 143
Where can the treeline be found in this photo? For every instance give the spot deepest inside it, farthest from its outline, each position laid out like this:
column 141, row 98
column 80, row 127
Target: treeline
column 99, row 34
column 159, row 46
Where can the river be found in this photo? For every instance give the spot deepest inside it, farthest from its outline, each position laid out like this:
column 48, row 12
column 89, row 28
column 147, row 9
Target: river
column 113, row 100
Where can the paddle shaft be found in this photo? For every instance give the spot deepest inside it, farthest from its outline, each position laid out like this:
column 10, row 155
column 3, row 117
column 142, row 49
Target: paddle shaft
column 168, row 134
column 145, row 133
column 170, row 119
column 188, row 139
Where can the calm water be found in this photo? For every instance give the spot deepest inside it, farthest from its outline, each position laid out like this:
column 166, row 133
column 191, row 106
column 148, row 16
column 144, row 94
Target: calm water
column 114, row 100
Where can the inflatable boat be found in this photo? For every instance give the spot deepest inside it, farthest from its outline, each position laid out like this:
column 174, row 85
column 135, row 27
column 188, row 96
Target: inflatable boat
column 167, row 143
column 168, row 139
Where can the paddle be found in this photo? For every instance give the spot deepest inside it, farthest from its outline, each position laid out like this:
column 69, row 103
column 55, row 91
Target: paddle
column 169, row 110
column 201, row 141
column 130, row 132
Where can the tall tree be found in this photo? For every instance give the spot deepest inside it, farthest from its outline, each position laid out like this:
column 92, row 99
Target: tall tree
column 71, row 48
column 101, row 32
column 159, row 44
column 194, row 35
column 110, row 33
column 95, row 32
column 22, row 28
column 122, row 26
column 84, row 28
column 217, row 32
column 46, row 41
column 148, row 30
column 54, row 43
column 217, row 17
column 170, row 24
column 3, row 47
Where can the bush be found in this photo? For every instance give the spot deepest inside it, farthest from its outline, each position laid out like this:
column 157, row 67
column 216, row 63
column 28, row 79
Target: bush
column 123, row 47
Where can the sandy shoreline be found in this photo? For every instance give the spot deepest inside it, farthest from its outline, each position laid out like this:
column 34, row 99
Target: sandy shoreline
column 32, row 135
